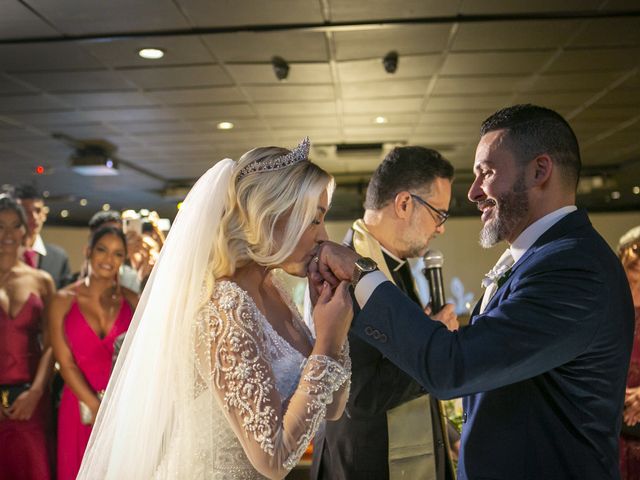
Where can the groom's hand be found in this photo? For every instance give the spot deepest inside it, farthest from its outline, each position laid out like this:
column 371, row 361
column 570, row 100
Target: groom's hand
column 335, row 263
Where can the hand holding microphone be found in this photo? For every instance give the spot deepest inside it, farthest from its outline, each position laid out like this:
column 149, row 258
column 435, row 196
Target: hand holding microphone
column 438, row 309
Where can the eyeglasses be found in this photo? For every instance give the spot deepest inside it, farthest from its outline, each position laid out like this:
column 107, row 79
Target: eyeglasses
column 441, row 215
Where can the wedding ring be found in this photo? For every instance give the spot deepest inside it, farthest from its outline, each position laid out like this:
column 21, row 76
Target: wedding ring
column 316, row 259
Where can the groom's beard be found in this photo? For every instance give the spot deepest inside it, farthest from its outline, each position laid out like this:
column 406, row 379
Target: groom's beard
column 511, row 208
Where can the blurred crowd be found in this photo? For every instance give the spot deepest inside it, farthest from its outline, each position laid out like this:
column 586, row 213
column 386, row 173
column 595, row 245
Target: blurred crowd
column 60, row 331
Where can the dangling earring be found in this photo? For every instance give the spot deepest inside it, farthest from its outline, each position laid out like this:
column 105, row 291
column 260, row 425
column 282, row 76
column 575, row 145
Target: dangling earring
column 116, row 287
column 88, row 272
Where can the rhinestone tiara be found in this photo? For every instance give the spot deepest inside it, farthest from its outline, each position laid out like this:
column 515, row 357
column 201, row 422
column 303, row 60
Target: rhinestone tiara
column 297, row 155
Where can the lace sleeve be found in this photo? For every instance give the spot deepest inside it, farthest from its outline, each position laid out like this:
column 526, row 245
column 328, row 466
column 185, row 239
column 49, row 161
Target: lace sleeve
column 340, row 398
column 242, row 380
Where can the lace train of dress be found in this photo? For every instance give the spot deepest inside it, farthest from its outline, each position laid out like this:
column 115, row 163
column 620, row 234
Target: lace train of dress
column 258, row 401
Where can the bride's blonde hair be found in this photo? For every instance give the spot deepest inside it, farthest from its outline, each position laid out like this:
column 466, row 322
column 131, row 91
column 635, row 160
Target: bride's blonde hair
column 257, row 201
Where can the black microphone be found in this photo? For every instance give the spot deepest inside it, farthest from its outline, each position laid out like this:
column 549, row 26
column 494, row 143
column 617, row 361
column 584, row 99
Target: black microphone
column 433, row 261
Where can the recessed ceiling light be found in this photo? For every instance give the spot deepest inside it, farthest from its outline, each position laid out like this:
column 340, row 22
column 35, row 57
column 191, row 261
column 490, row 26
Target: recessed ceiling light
column 615, row 195
column 106, row 207
column 636, row 190
column 64, row 213
column 380, row 120
column 225, row 126
column 83, row 202
column 151, row 53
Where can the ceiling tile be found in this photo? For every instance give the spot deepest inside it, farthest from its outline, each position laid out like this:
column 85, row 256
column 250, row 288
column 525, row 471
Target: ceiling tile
column 520, row 35
column 609, row 32
column 29, row 103
column 296, row 108
column 186, row 96
column 129, row 115
column 387, row 88
column 90, row 80
column 50, row 118
column 9, row 86
column 174, row 77
column 620, row 97
column 213, row 112
column 376, row 42
column 370, row 70
column 462, row 118
column 465, row 103
column 383, row 133
column 250, row 12
column 106, row 99
column 392, row 119
column 596, row 60
column 123, row 52
column 18, row 21
column 349, row 10
column 293, row 46
column 156, row 127
column 291, row 92
column 293, row 121
column 96, row 16
column 256, row 74
column 383, row 106
column 570, row 82
column 449, row 85
column 494, row 63
column 540, row 6
column 45, row 56
column 555, row 100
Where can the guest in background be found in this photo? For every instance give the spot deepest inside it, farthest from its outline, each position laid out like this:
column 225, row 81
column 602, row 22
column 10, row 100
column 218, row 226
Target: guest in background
column 629, row 252
column 144, row 242
column 86, row 318
column 37, row 254
column 25, row 355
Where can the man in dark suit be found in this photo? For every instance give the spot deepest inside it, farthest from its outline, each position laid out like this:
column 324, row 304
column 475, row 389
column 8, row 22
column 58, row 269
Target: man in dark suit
column 390, row 428
column 38, row 254
column 543, row 366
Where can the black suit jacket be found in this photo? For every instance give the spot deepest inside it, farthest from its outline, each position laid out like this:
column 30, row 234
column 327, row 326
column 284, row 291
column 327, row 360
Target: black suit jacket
column 56, row 263
column 543, row 369
column 356, row 445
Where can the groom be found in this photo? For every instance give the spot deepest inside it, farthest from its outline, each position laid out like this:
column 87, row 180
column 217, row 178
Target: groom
column 543, row 364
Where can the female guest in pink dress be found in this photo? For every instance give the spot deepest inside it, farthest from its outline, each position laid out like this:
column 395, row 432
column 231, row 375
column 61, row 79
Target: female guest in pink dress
column 629, row 252
column 26, row 360
column 86, row 318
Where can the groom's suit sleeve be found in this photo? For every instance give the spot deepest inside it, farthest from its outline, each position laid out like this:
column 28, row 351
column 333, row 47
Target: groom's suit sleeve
column 549, row 312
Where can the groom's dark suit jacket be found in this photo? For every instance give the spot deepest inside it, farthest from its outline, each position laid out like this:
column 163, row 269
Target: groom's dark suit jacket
column 543, row 369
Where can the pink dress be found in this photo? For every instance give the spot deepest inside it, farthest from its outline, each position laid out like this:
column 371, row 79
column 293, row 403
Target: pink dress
column 630, row 446
column 93, row 356
column 24, row 445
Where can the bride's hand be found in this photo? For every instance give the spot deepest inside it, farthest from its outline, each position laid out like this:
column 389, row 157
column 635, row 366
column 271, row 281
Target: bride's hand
column 332, row 318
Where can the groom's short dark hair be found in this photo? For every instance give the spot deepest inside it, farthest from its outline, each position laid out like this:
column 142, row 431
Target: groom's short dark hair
column 405, row 169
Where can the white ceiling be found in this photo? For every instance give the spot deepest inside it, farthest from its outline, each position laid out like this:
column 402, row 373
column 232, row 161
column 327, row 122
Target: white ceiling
column 71, row 67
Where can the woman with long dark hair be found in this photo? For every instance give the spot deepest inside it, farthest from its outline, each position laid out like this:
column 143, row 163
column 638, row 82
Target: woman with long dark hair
column 86, row 318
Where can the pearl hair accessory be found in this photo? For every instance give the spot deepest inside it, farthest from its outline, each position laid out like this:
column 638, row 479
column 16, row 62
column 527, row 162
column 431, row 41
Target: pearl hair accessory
column 297, row 155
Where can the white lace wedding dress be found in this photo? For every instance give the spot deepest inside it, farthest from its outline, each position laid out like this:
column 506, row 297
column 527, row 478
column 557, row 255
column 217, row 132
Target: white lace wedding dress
column 259, row 401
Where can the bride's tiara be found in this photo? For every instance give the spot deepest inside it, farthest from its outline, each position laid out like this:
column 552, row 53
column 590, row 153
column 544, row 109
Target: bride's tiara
column 297, row 155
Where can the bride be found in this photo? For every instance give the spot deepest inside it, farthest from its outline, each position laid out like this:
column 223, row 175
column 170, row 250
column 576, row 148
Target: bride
column 218, row 377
